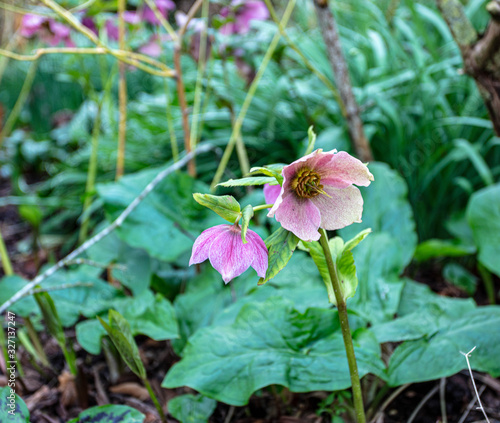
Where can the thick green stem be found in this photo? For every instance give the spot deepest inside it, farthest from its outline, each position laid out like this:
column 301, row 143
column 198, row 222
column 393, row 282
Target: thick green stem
column 155, row 400
column 346, row 331
column 4, row 255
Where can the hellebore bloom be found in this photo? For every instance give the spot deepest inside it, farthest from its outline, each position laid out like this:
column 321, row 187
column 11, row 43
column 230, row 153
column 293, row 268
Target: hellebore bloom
column 318, row 192
column 49, row 30
column 271, row 193
column 223, row 246
column 243, row 13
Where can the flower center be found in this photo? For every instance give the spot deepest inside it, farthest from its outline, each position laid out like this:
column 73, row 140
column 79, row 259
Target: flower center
column 306, row 183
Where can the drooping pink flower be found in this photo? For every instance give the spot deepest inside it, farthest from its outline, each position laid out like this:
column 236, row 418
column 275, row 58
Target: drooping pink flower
column 223, row 246
column 164, row 6
column 49, row 30
column 271, row 193
column 318, row 192
column 131, row 18
column 196, row 24
column 242, row 12
column 89, row 23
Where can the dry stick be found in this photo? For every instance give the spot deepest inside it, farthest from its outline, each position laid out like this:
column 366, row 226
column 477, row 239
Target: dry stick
column 471, row 404
column 248, row 99
column 21, row 99
column 122, row 96
column 466, row 355
column 422, row 403
column 180, row 86
column 117, row 223
column 341, row 72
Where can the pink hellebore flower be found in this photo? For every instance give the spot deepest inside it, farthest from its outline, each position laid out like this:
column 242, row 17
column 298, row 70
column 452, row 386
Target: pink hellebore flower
column 271, row 193
column 223, row 246
column 152, row 47
column 163, row 7
column 31, row 24
column 244, row 12
column 49, row 30
column 318, row 192
column 112, row 30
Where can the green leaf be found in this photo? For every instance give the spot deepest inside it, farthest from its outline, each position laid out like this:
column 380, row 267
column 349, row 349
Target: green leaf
column 439, row 355
column 461, row 277
column 224, row 205
column 311, row 135
column 273, row 170
column 281, row 244
column 191, row 408
column 248, row 181
column 434, row 248
column 32, row 214
column 50, row 317
column 386, row 209
column 167, row 216
column 147, row 314
column 346, row 272
column 12, row 407
column 119, row 331
column 354, row 241
column 110, row 414
column 483, row 215
column 229, row 363
column 246, row 216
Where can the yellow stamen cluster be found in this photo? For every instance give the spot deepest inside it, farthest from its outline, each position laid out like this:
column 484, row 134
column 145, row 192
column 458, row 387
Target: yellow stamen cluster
column 306, row 183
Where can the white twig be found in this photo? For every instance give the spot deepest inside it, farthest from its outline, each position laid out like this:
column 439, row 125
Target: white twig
column 466, row 355
column 471, row 404
column 106, row 231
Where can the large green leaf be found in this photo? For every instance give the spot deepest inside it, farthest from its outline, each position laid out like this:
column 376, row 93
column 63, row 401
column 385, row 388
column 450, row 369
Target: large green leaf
column 191, row 408
column 147, row 314
column 12, row 407
column 271, row 343
column 110, row 414
column 433, row 248
column 386, row 209
column 162, row 222
column 439, row 355
column 483, row 215
column 298, row 282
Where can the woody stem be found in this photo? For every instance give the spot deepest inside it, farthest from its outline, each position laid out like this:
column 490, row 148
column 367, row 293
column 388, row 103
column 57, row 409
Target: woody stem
column 346, row 331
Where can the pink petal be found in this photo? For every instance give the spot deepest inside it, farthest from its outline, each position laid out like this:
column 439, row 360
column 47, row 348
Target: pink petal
column 261, row 255
column 343, row 207
column 229, row 256
column 59, row 29
column 89, row 23
column 112, row 30
column 201, row 247
column 341, row 170
column 271, row 193
column 152, row 48
column 31, row 24
column 131, row 17
column 252, row 10
column 298, row 215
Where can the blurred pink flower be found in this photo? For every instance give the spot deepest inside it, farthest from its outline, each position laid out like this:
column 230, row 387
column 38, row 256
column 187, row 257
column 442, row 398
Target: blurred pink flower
column 195, row 24
column 49, row 30
column 89, row 23
column 132, row 18
column 242, row 12
column 163, row 7
column 111, row 30
column 271, row 193
column 152, row 47
column 223, row 246
column 318, row 192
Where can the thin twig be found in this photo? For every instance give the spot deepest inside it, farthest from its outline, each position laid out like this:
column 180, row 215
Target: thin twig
column 388, row 401
column 230, row 412
column 422, row 403
column 466, row 355
column 106, row 231
column 59, row 287
column 471, row 404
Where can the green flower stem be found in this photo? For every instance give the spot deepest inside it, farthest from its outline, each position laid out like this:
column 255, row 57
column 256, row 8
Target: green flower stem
column 248, row 99
column 155, row 400
column 7, row 265
column 346, row 331
column 262, row 207
column 37, row 344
